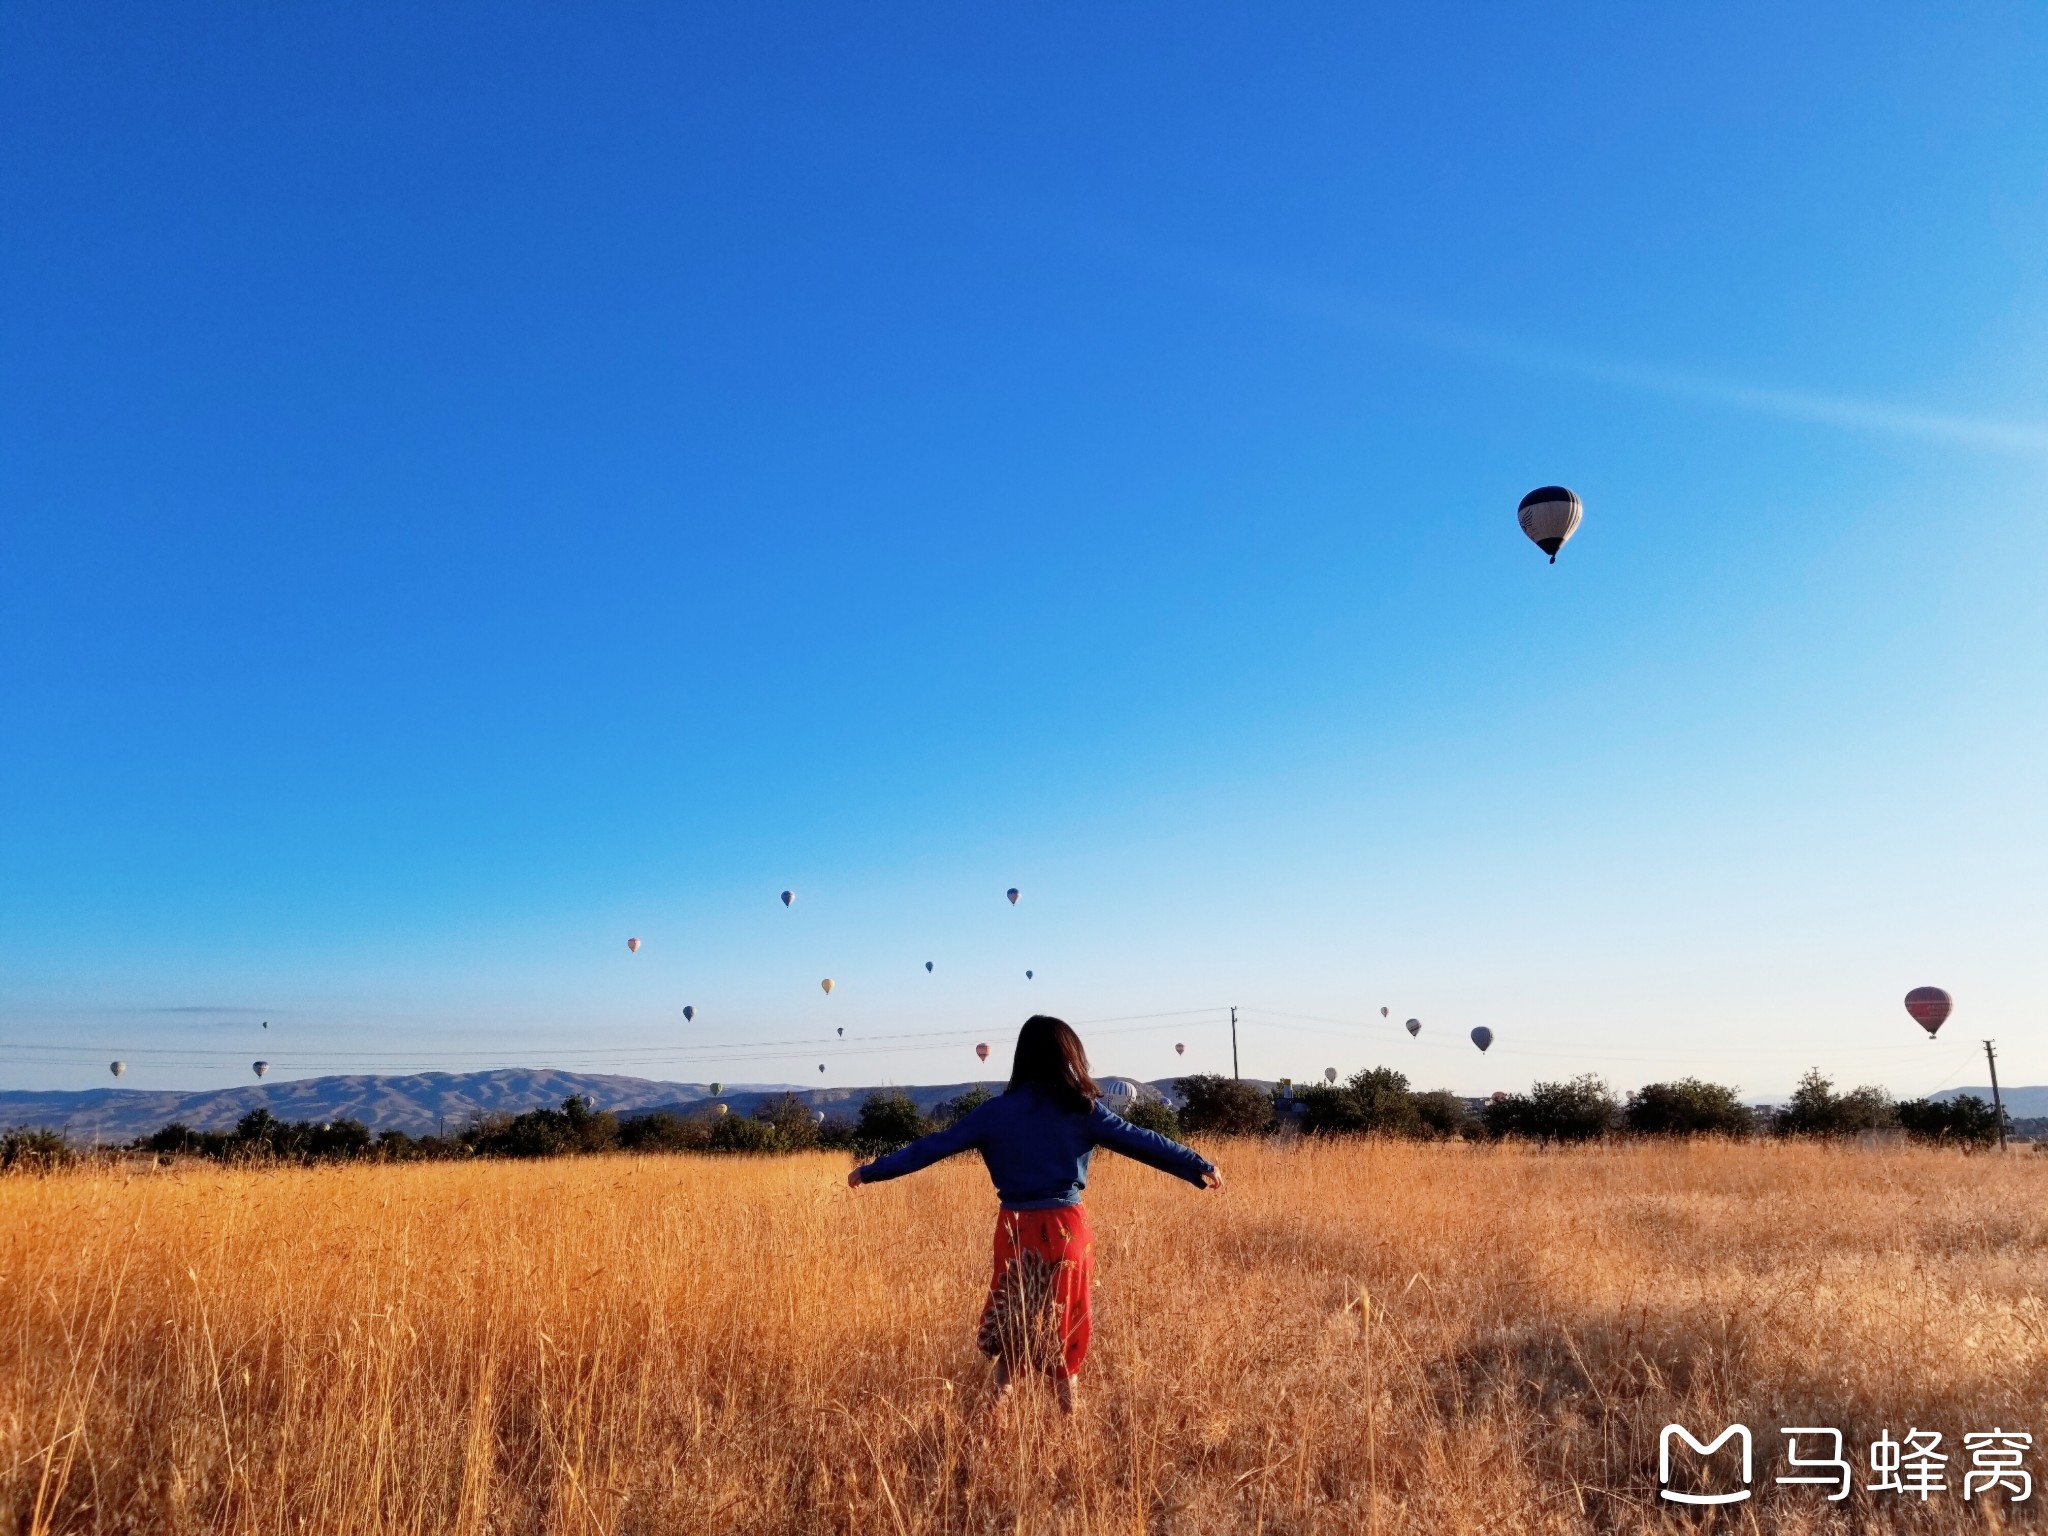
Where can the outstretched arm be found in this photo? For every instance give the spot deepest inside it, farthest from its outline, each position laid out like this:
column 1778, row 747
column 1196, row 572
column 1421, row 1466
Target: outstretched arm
column 921, row 1153
column 1151, row 1148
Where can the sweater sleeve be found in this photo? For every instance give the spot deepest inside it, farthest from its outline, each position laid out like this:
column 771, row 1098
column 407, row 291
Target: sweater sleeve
column 926, row 1150
column 1149, row 1147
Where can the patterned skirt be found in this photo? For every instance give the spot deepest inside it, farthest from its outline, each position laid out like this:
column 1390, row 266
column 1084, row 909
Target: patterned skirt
column 1037, row 1315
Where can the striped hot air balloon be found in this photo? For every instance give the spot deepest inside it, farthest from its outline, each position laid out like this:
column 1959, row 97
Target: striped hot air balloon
column 1550, row 516
column 1413, row 1026
column 1930, row 1008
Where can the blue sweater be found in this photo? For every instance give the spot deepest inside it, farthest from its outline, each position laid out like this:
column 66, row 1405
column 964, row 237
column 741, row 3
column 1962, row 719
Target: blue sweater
column 1037, row 1151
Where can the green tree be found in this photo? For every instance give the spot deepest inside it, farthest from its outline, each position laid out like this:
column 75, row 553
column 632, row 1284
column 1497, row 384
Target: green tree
column 1964, row 1121
column 1816, row 1109
column 963, row 1106
column 664, row 1130
column 888, row 1120
column 1441, row 1114
column 1155, row 1115
column 1223, row 1106
column 34, row 1149
column 737, row 1133
column 794, row 1122
column 1578, row 1109
column 1687, row 1107
column 1374, row 1101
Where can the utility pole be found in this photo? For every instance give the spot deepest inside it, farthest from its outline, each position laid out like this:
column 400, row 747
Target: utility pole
column 1997, row 1108
column 1233, row 1045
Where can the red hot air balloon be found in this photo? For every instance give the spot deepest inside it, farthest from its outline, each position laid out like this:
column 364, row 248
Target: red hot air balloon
column 982, row 1050
column 632, row 946
column 1012, row 894
column 1930, row 1008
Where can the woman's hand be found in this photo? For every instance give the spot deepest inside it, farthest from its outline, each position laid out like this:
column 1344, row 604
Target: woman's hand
column 1213, row 1179
column 853, row 1178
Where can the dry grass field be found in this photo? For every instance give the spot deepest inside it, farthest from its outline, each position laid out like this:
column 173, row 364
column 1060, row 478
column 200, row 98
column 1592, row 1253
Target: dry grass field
column 1351, row 1338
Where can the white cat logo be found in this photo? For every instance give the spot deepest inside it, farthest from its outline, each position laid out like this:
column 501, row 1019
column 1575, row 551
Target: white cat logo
column 1732, row 1432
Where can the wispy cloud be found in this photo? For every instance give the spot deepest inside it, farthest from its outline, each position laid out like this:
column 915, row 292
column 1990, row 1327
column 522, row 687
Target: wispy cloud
column 1336, row 306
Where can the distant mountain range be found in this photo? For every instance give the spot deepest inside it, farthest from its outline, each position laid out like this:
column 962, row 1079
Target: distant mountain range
column 2020, row 1103
column 421, row 1104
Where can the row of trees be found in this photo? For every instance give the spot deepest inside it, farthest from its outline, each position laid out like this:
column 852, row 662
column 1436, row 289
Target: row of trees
column 1377, row 1101
column 783, row 1124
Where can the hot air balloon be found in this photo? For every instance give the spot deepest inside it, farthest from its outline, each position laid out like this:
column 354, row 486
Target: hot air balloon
column 1179, row 1049
column 1930, row 1008
column 1482, row 1037
column 1012, row 894
column 1027, row 975
column 818, row 1117
column 1414, row 1027
column 689, row 1012
column 716, row 1089
column 1550, row 515
column 632, row 946
column 821, row 1066
column 842, row 1031
column 260, row 1067
column 981, row 1050
column 788, row 897
column 927, row 966
column 1383, row 1013
column 1329, row 1074
column 117, row 1067
column 722, row 1109
column 266, row 1023
column 827, row 985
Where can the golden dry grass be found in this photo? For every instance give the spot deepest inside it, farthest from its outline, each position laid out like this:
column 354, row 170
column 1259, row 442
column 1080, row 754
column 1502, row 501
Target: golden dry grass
column 698, row 1345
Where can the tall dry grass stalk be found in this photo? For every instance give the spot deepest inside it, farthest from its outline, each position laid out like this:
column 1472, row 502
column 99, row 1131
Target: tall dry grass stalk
column 1353, row 1338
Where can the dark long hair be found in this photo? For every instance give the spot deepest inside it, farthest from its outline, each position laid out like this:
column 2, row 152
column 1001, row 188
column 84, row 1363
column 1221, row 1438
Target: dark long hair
column 1051, row 1058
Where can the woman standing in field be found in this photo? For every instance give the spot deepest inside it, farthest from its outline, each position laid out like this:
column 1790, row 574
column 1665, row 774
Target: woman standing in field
column 1036, row 1138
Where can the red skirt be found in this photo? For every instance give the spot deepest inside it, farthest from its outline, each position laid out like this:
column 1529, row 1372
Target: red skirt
column 1037, row 1316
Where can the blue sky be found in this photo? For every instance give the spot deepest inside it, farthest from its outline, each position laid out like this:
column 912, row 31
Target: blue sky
column 477, row 485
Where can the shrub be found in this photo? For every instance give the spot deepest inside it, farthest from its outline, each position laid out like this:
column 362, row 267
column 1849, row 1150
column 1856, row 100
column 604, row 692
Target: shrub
column 794, row 1123
column 737, row 1133
column 1373, row 1101
column 1578, row 1109
column 1223, row 1106
column 665, row 1131
column 888, row 1120
column 1687, row 1107
column 1816, row 1109
column 1155, row 1115
column 1442, row 1114
column 31, row 1149
column 962, row 1107
column 575, row 1127
column 1965, row 1121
